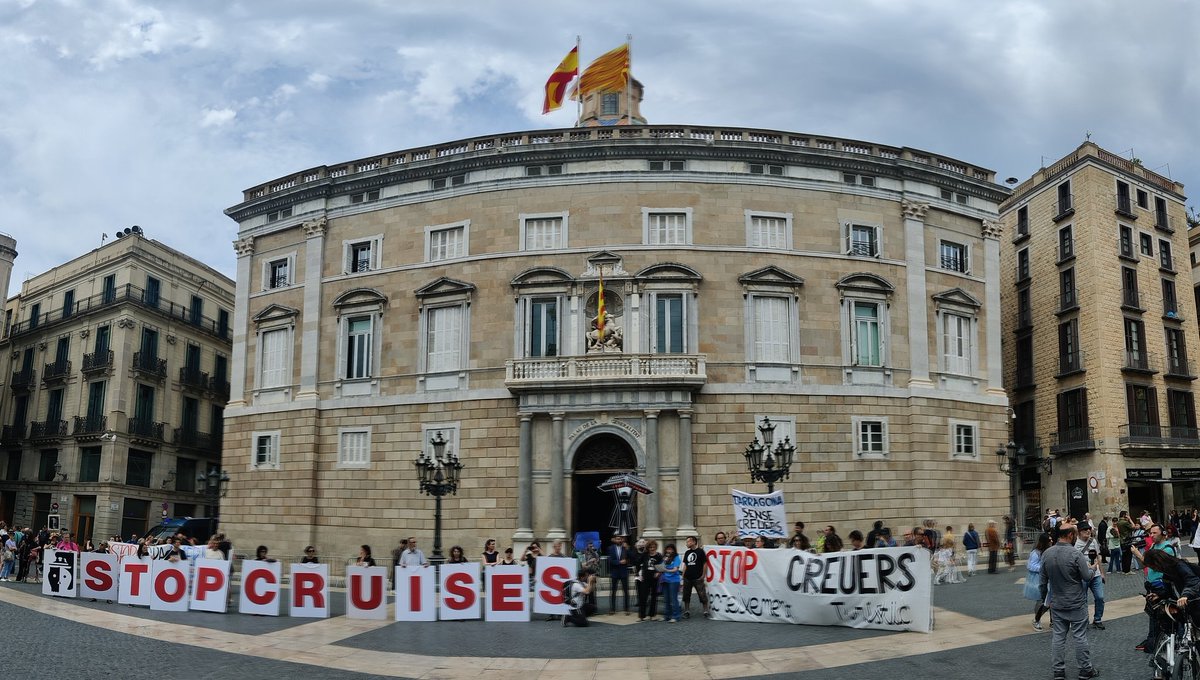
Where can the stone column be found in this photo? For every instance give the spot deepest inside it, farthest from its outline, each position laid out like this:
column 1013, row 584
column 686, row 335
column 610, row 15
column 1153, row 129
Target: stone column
column 244, row 247
column 651, row 524
column 918, row 307
column 687, row 520
column 991, row 231
column 525, row 481
column 310, row 320
column 558, row 524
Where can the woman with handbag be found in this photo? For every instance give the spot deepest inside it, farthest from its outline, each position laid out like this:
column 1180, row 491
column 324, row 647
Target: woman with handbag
column 1033, row 580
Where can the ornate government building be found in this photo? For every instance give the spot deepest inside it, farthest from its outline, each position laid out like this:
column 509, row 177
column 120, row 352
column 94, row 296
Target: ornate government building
column 848, row 290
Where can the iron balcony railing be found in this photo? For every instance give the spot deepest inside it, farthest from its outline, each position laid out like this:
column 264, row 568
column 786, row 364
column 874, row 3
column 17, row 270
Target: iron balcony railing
column 1073, row 439
column 219, row 388
column 147, row 429
column 150, row 364
column 193, row 439
column 1069, row 362
column 1178, row 365
column 56, row 372
column 955, row 263
column 609, row 369
column 1164, row 221
column 1158, row 435
column 48, row 429
column 1066, row 206
column 193, row 378
column 125, row 294
column 1137, row 360
column 85, row 425
column 98, row 361
column 23, row 379
column 12, row 434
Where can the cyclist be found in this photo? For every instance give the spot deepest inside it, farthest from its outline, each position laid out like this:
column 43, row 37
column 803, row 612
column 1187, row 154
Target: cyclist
column 1179, row 579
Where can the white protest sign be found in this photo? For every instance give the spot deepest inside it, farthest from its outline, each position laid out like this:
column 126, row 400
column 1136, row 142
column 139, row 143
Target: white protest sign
column 135, row 582
column 98, row 576
column 58, row 577
column 416, row 598
column 882, row 588
column 460, row 591
column 366, row 593
column 310, row 591
column 759, row 514
column 210, row 586
column 260, row 587
column 507, row 593
column 170, row 586
column 551, row 574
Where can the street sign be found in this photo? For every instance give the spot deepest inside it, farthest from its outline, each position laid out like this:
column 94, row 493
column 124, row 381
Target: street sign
column 54, row 507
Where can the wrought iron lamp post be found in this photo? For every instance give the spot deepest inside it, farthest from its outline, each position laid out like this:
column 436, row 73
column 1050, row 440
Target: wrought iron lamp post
column 1014, row 459
column 214, row 485
column 439, row 476
column 769, row 461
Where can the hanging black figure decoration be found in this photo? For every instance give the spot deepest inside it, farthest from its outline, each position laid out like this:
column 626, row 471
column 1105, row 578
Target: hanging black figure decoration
column 624, row 517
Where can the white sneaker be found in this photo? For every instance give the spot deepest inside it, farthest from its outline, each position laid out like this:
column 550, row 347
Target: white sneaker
column 1037, row 625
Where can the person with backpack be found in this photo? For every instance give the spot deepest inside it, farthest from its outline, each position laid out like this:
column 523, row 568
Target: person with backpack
column 575, row 593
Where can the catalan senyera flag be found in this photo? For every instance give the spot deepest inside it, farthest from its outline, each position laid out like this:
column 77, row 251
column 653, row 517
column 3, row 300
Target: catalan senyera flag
column 556, row 86
column 600, row 311
column 610, row 71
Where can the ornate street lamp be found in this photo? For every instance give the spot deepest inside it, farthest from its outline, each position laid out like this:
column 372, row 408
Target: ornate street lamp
column 767, row 464
column 1014, row 458
column 214, row 484
column 439, row 476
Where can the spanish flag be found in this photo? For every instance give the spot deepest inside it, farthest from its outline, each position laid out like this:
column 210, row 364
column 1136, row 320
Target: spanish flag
column 600, row 311
column 556, row 86
column 610, row 71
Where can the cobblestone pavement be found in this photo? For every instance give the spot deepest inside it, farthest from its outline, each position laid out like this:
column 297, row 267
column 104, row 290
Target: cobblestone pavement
column 982, row 629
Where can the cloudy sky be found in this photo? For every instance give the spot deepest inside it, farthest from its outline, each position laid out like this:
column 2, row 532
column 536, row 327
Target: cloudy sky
column 123, row 112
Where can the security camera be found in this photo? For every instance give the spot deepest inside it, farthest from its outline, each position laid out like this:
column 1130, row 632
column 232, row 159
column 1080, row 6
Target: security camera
column 108, row 437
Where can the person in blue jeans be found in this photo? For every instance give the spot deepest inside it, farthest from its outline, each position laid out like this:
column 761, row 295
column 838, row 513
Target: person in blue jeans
column 1114, row 549
column 671, row 577
column 1094, row 581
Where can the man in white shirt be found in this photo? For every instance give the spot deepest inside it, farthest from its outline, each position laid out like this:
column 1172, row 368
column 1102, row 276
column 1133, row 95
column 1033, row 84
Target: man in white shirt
column 1087, row 546
column 413, row 557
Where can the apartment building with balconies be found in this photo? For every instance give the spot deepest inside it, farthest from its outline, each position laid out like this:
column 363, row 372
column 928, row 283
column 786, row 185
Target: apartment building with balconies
column 117, row 374
column 1100, row 335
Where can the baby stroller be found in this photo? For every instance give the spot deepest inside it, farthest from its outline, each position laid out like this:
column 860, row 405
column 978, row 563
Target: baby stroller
column 574, row 596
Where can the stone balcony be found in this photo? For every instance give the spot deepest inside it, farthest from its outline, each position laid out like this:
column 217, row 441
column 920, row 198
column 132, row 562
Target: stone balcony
column 606, row 371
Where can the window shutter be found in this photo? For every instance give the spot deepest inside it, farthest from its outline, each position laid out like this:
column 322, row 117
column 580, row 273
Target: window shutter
column 846, row 244
column 1152, row 403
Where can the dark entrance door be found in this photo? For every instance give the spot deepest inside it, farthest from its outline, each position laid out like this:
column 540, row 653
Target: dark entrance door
column 600, row 457
column 1077, row 500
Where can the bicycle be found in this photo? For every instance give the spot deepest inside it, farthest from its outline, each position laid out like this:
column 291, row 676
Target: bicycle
column 1176, row 654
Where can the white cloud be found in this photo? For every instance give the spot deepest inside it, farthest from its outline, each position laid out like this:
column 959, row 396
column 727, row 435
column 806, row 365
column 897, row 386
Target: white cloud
column 217, row 117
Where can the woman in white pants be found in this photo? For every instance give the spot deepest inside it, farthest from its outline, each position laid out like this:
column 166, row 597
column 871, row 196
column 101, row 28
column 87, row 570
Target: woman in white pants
column 970, row 542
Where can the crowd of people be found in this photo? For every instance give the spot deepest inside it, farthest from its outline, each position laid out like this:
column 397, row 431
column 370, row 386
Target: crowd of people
column 1074, row 556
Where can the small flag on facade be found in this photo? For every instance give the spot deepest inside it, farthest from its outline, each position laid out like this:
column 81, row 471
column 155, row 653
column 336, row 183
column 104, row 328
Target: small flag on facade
column 556, row 86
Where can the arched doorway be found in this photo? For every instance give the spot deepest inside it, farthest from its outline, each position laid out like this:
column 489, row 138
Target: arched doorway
column 597, row 459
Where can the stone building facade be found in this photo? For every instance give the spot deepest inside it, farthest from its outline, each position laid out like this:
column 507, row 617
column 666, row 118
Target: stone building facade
column 1100, row 335
column 116, row 369
column 847, row 290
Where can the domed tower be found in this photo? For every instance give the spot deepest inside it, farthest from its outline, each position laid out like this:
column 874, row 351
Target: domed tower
column 613, row 106
column 8, row 254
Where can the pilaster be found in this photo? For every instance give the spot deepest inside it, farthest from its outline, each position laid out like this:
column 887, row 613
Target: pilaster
column 244, row 248
column 918, row 306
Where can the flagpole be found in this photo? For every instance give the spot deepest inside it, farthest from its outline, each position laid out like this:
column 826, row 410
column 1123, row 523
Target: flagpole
column 629, row 79
column 578, row 76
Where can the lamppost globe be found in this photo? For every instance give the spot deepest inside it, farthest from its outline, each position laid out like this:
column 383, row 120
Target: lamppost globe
column 769, row 461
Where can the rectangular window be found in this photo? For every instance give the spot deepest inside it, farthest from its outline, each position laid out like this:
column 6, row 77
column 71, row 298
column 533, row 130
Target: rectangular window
column 668, row 324
column 659, row 166
column 144, row 409
column 35, row 315
column 956, row 341
column 103, row 334
column 354, row 448
column 1160, row 214
column 862, row 240
column 358, row 347
column 360, row 257
column 771, row 330
column 109, row 289
column 1165, row 260
column 68, row 307
column 543, row 327
column 274, row 367
column 953, row 256
column 365, row 197
column 1073, row 416
column 54, row 409
column 153, row 291
column 1124, row 205
column 223, row 323
column 870, row 437
column 279, row 273
column 1066, row 243
column 1177, row 363
column 1135, row 345
column 134, row 516
column 266, row 449
column 46, row 463
column 1142, row 404
column 1024, row 309
column 454, row 181
column 1170, row 303
column 1066, row 286
column 764, row 169
column 1069, row 357
column 1022, row 265
column 539, row 170
column 543, row 233
column 196, row 310
column 95, row 405
column 667, row 228
column 1181, row 409
column 1129, row 287
column 1066, row 203
column 1022, row 221
column 1024, row 376
column 444, row 339
column 868, row 337
column 447, row 244
column 137, row 468
column 1126, row 242
column 185, row 476
column 965, row 440
column 1143, row 199
column 1146, row 244
column 768, row 231
column 13, row 470
column 89, row 464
